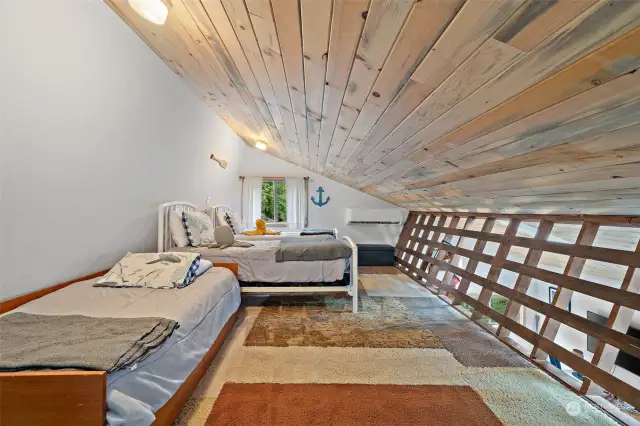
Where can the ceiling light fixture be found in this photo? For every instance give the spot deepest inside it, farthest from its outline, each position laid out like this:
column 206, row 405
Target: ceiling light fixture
column 261, row 145
column 155, row 11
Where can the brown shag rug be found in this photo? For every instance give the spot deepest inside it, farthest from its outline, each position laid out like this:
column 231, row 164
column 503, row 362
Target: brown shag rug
column 348, row 404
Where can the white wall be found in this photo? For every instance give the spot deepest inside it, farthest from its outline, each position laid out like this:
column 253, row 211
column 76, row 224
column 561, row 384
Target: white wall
column 332, row 215
column 96, row 131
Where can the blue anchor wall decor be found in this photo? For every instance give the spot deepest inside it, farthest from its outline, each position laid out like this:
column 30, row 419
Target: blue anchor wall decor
column 320, row 203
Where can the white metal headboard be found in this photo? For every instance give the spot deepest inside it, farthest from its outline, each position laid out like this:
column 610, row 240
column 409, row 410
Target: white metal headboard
column 212, row 210
column 165, row 242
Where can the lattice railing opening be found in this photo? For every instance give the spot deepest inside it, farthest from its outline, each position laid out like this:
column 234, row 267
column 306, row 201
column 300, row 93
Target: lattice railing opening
column 562, row 290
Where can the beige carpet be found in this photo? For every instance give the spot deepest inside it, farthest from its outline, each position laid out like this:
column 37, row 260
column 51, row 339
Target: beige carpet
column 316, row 342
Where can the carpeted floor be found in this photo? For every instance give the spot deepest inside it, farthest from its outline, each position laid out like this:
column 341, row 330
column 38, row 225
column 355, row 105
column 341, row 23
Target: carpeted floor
column 407, row 358
column 347, row 404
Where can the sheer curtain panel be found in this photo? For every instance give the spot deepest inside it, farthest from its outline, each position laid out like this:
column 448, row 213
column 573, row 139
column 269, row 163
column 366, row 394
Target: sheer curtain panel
column 296, row 202
column 251, row 201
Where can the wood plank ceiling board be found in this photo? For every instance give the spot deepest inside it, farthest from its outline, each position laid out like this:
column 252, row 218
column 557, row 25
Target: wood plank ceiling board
column 424, row 25
column 267, row 37
column 384, row 21
column 169, row 45
column 473, row 24
column 472, row 154
column 239, row 18
column 231, row 59
column 316, row 26
column 444, row 105
column 347, row 21
column 567, row 142
column 581, row 36
column 286, row 15
column 213, row 51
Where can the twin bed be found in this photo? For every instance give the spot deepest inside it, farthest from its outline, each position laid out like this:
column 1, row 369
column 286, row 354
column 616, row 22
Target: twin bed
column 154, row 390
column 258, row 270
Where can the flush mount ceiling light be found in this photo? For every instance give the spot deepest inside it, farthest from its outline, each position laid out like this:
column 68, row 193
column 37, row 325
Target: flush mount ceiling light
column 155, row 11
column 261, row 145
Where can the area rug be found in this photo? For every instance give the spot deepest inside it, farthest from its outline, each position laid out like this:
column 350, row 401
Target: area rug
column 406, row 358
column 329, row 322
column 347, row 404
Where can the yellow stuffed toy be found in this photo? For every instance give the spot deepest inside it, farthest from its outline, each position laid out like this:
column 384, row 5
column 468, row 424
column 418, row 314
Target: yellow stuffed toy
column 261, row 229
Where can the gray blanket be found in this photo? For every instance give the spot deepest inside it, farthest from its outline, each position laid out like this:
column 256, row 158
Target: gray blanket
column 35, row 342
column 302, row 250
column 308, row 231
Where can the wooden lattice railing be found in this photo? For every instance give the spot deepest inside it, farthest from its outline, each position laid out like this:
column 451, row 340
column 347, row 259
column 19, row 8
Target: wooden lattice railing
column 431, row 250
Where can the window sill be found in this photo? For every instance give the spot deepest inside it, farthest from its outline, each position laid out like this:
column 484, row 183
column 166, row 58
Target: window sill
column 278, row 225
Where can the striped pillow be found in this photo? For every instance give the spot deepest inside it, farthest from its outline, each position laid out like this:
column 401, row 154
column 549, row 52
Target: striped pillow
column 233, row 223
column 192, row 228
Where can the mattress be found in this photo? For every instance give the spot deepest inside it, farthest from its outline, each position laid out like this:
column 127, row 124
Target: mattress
column 202, row 309
column 258, row 264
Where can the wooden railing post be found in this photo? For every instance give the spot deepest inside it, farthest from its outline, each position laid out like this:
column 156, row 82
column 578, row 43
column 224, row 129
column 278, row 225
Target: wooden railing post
column 496, row 263
column 619, row 319
column 523, row 281
column 563, row 295
column 442, row 253
column 448, row 276
column 473, row 263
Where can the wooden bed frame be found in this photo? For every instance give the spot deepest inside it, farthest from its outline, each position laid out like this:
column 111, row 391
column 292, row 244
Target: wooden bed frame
column 165, row 243
column 79, row 398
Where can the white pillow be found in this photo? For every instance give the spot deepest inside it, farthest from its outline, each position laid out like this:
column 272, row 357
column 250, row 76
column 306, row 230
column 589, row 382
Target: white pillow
column 199, row 222
column 206, row 225
column 176, row 227
column 192, row 228
column 203, row 267
column 229, row 219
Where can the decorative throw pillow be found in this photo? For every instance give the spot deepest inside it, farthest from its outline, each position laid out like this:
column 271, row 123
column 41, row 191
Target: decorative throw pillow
column 176, row 228
column 192, row 228
column 233, row 223
column 206, row 235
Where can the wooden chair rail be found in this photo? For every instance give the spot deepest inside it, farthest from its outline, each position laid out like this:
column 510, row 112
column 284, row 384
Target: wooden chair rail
column 426, row 247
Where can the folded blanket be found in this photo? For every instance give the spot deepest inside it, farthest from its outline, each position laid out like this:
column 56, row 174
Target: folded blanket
column 306, row 232
column 156, row 270
column 302, row 250
column 35, row 342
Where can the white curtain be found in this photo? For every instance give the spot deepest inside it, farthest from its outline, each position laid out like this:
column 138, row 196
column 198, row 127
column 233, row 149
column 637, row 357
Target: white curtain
column 296, row 202
column 251, row 201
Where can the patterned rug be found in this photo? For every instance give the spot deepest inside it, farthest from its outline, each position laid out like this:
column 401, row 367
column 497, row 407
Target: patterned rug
column 406, row 358
column 329, row 322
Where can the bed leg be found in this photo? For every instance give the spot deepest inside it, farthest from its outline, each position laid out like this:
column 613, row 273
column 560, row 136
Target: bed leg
column 354, row 274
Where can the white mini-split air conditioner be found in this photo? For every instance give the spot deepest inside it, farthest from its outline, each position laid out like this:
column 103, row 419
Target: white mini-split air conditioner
column 375, row 216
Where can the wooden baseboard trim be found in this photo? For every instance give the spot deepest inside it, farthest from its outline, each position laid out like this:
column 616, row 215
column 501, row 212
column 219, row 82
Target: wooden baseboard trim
column 11, row 304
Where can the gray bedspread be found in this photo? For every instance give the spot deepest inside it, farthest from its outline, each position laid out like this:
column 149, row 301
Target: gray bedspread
column 302, row 250
column 35, row 342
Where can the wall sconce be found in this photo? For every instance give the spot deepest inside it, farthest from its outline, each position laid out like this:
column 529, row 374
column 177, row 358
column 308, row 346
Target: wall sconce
column 155, row 11
column 261, row 145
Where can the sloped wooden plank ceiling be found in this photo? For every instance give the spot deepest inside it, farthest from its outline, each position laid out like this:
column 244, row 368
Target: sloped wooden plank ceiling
column 453, row 105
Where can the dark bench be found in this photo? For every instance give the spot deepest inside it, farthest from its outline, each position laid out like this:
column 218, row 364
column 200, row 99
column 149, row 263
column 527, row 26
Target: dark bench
column 375, row 255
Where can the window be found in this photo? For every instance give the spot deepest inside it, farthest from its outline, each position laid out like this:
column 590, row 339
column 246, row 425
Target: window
column 274, row 201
